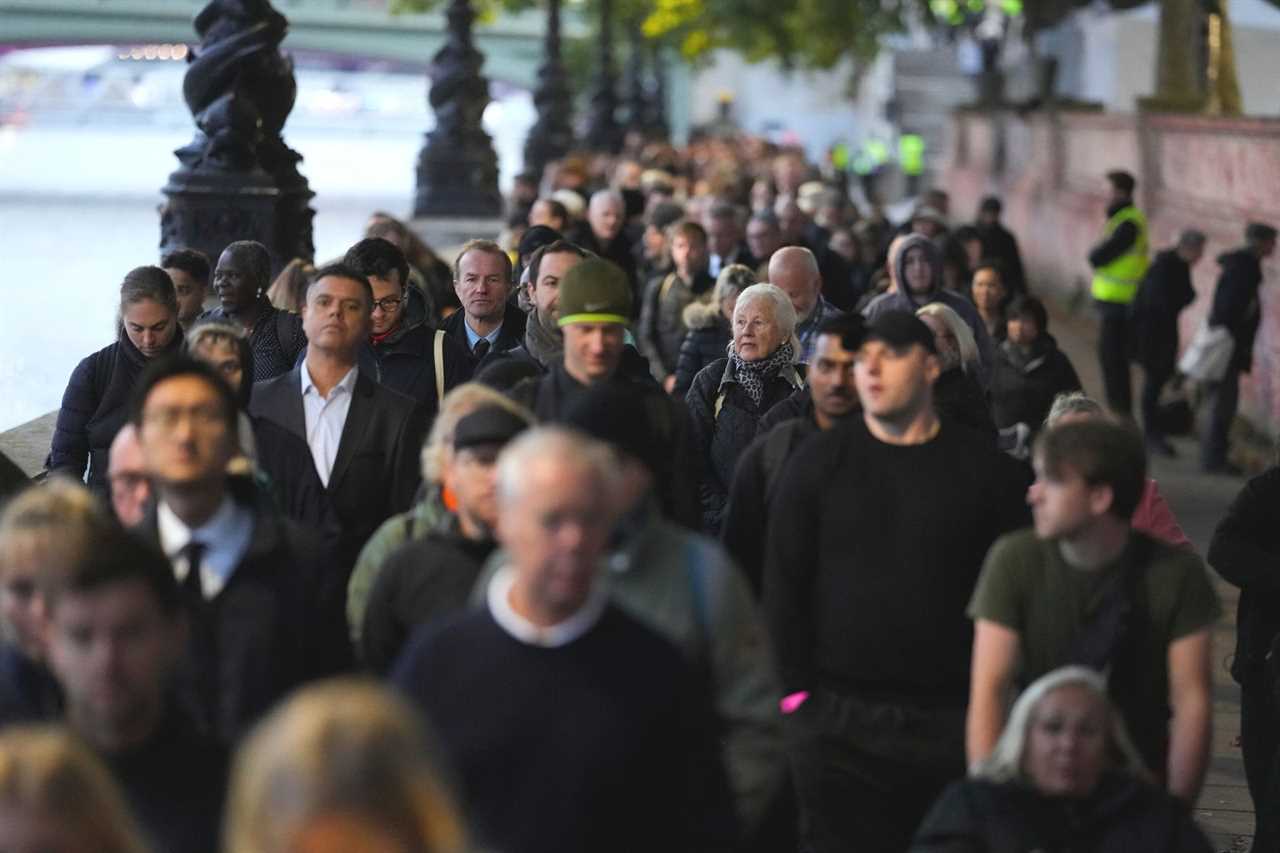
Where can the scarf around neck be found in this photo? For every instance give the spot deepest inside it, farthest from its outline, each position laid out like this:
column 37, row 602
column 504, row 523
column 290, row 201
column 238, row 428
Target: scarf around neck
column 545, row 345
column 752, row 375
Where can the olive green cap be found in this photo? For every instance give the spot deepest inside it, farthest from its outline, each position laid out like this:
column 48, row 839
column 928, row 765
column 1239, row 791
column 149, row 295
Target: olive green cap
column 595, row 291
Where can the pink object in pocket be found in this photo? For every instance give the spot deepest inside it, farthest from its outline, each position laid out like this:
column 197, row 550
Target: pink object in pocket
column 791, row 703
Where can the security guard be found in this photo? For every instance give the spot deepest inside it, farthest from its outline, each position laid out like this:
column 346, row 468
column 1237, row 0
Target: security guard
column 911, row 160
column 1119, row 263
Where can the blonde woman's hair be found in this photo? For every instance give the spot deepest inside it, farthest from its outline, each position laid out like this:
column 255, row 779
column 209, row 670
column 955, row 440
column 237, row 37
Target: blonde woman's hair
column 52, row 523
column 969, row 358
column 344, row 753
column 215, row 331
column 1005, row 761
column 784, row 313
column 456, row 405
column 46, row 771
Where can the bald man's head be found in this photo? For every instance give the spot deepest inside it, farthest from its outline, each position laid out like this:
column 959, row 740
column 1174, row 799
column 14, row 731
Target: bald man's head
column 795, row 270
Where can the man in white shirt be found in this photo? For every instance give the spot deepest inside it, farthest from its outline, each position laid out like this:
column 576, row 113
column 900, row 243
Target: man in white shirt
column 251, row 582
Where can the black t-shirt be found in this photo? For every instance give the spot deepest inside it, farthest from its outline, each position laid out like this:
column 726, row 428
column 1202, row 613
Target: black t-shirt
column 873, row 553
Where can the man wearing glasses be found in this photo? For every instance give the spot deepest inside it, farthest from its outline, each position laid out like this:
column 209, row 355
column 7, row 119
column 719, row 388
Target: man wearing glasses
column 404, row 351
column 252, row 582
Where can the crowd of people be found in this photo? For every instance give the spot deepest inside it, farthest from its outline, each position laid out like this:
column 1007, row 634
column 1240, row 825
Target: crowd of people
column 702, row 511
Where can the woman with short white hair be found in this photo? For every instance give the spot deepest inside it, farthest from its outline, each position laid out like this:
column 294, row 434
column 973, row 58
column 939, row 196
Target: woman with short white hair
column 957, row 396
column 1063, row 776
column 729, row 395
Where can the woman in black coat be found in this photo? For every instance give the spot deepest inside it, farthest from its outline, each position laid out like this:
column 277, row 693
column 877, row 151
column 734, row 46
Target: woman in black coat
column 729, row 395
column 95, row 404
column 708, row 337
column 1063, row 776
column 957, row 396
column 1030, row 370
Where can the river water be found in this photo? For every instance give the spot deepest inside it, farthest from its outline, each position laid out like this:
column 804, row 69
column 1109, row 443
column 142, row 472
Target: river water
column 78, row 210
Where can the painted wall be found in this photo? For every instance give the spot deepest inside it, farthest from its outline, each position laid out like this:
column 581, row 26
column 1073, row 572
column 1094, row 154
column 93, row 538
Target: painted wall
column 1211, row 174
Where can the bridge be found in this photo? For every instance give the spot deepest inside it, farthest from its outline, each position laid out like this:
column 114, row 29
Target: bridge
column 512, row 44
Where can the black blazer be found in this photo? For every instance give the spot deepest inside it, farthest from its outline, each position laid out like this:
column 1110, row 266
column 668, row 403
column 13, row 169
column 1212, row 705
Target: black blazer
column 509, row 337
column 376, row 472
column 272, row 627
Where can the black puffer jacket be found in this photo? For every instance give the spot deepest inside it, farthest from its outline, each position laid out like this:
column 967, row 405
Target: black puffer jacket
column 1235, row 303
column 406, row 359
column 1024, row 384
column 707, row 340
column 94, row 408
column 1122, row 815
column 719, row 439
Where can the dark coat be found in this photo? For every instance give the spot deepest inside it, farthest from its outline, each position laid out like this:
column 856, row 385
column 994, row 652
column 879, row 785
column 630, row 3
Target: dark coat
column 277, row 339
column 1245, row 550
column 661, row 331
column 406, row 359
column 174, row 783
column 301, row 497
column 1235, row 303
column 798, row 405
column 275, row 624
column 94, row 408
column 12, row 478
column 1122, row 815
column 421, row 581
column 509, row 337
column 1165, row 290
column 549, row 396
column 999, row 243
column 707, row 340
column 28, row 691
column 958, row 397
column 376, row 472
column 1023, row 385
column 720, row 438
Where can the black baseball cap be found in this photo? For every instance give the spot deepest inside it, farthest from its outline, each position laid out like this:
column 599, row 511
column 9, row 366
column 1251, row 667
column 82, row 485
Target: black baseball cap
column 900, row 329
column 488, row 425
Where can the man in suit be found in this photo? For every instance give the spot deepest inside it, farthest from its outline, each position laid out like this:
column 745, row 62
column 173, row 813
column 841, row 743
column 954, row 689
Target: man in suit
column 364, row 438
column 252, row 582
column 488, row 322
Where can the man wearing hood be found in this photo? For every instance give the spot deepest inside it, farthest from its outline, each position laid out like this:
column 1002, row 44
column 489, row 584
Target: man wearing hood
column 404, row 352
column 917, row 274
column 1235, row 306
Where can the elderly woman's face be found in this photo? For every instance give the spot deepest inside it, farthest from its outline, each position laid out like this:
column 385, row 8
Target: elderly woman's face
column 755, row 330
column 1066, row 746
column 944, row 339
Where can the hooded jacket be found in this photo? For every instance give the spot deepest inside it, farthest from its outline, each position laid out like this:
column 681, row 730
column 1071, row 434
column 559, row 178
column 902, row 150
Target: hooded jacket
column 707, row 340
column 94, row 408
column 1024, row 384
column 901, row 300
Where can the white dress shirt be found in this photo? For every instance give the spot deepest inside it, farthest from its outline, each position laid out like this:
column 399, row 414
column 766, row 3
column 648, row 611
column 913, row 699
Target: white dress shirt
column 325, row 418
column 226, row 538
column 554, row 636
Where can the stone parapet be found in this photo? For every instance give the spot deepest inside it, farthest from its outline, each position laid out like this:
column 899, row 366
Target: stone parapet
column 1214, row 174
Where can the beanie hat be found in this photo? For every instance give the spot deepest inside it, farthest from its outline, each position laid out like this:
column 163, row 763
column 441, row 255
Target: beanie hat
column 595, row 291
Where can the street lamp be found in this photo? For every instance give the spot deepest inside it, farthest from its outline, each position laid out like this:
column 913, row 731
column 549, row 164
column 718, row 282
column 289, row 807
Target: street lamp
column 238, row 180
column 602, row 132
column 551, row 136
column 457, row 167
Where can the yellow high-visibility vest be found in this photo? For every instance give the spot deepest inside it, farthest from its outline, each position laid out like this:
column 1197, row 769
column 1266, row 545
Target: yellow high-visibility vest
column 1118, row 280
column 911, row 153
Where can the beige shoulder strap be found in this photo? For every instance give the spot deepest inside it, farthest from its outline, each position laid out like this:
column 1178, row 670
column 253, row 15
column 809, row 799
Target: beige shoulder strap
column 719, row 406
column 439, row 359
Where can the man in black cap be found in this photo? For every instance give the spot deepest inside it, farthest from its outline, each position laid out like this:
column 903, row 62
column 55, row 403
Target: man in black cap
column 432, row 576
column 1235, row 306
column 878, row 533
column 594, row 305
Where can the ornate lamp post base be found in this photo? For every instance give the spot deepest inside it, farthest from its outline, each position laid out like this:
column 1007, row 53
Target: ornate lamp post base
column 207, row 212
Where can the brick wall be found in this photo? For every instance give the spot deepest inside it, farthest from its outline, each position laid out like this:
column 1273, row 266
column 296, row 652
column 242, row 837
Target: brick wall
column 1212, row 174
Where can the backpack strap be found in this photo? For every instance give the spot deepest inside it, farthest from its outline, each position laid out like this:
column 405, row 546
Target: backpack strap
column 719, row 405
column 438, row 352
